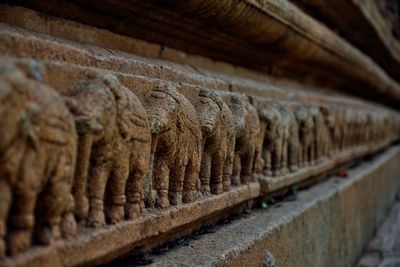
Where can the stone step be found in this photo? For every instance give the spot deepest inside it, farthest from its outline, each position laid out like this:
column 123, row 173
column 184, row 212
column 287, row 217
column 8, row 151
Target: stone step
column 328, row 224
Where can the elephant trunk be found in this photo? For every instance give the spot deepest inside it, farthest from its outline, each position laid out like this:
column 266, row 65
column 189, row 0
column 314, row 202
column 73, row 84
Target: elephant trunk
column 81, row 174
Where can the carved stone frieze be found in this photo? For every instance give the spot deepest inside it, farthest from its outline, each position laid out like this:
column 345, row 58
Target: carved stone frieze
column 102, row 150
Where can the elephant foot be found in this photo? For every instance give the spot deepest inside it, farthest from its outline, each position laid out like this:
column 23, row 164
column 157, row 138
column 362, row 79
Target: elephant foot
column 268, row 173
column 81, row 208
column 133, row 210
column 2, row 248
column 235, row 180
column 115, row 213
column 47, row 234
column 175, row 198
column 276, row 173
column 293, row 168
column 96, row 219
column 205, row 190
column 226, row 186
column 162, row 203
column 190, row 196
column 19, row 241
column 245, row 179
column 142, row 206
column 217, row 189
column 68, row 226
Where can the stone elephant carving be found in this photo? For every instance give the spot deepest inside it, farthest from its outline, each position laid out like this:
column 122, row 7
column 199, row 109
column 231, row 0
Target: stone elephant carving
column 336, row 130
column 321, row 134
column 291, row 140
column 247, row 131
column 306, row 134
column 332, row 131
column 114, row 150
column 218, row 132
column 37, row 158
column 270, row 140
column 176, row 145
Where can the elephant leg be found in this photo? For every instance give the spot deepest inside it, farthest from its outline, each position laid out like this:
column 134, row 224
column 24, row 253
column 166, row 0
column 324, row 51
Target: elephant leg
column 217, row 165
column 191, row 174
column 306, row 155
column 135, row 189
column 292, row 157
column 247, row 166
column 80, row 180
column 300, row 155
column 235, row 179
column 312, row 153
column 134, row 195
column 161, row 182
column 176, row 184
column 268, row 161
column 54, row 202
column 5, row 200
column 205, row 173
column 96, row 188
column 68, row 222
column 21, row 217
column 284, row 158
column 276, row 160
column 116, row 185
column 227, row 172
column 258, row 160
column 21, row 221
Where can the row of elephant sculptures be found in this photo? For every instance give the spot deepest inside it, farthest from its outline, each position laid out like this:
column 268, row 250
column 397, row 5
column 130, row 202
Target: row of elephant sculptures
column 101, row 154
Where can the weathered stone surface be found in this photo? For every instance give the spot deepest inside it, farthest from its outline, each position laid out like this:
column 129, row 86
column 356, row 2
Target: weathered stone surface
column 327, row 225
column 370, row 30
column 37, row 158
column 384, row 248
column 158, row 149
column 32, row 44
column 115, row 121
column 282, row 35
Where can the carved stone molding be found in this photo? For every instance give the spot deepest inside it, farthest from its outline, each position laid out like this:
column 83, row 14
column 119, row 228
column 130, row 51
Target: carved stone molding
column 101, row 147
column 154, row 153
column 283, row 41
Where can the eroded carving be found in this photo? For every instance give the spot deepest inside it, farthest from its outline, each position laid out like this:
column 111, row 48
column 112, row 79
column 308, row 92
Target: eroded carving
column 218, row 132
column 176, row 145
column 247, row 130
column 181, row 150
column 37, row 157
column 114, row 150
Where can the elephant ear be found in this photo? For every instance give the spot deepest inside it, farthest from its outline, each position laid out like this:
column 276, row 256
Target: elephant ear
column 27, row 125
column 131, row 119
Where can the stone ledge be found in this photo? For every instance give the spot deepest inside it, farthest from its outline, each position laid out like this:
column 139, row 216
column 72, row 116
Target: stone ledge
column 367, row 23
column 63, row 53
column 92, row 246
column 271, row 184
column 282, row 35
column 314, row 230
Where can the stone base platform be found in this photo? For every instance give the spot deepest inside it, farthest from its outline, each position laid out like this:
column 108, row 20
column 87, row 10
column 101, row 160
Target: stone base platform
column 384, row 248
column 95, row 246
column 328, row 225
